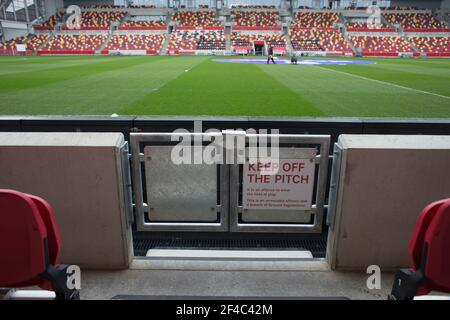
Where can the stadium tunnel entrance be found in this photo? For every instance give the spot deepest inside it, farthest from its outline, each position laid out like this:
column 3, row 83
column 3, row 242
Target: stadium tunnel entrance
column 232, row 204
column 260, row 48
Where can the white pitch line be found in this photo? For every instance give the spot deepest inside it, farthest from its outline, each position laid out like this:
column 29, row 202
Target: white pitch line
column 386, row 83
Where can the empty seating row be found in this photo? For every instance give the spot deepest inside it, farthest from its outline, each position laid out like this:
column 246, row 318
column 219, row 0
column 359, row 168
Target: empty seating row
column 32, row 42
column 75, row 42
column 89, row 20
column 368, row 27
column 315, row 19
column 431, row 44
column 383, row 44
column 143, row 24
column 196, row 40
column 247, row 39
column 256, row 18
column 415, row 20
column 196, row 18
column 151, row 42
column 318, row 40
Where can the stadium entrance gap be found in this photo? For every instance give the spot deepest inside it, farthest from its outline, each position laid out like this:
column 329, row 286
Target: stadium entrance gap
column 231, row 203
column 259, row 48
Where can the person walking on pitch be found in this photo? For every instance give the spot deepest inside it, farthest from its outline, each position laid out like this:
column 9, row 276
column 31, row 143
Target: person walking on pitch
column 270, row 57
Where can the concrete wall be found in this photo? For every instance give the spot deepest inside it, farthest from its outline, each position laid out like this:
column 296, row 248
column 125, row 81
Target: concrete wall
column 52, row 6
column 12, row 29
column 80, row 175
column 427, row 4
column 384, row 183
column 86, row 3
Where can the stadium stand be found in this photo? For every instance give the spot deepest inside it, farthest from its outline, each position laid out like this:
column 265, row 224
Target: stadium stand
column 190, row 40
column 383, row 46
column 318, row 40
column 75, row 43
column 252, row 7
column 11, row 44
column 402, row 8
column 416, row 21
column 100, row 19
column 308, row 31
column 364, row 27
column 315, row 19
column 51, row 22
column 196, row 18
column 256, row 18
column 35, row 41
column 149, row 42
column 274, row 39
column 143, row 25
column 356, row 8
column 432, row 46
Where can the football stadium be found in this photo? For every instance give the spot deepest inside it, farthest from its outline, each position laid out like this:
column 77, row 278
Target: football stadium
column 224, row 150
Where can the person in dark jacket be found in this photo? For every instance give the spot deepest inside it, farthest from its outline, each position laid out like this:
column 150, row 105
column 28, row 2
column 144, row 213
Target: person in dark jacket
column 294, row 59
column 270, row 57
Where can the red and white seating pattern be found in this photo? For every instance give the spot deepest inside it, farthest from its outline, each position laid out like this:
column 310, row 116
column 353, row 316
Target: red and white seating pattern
column 415, row 21
column 319, row 40
column 196, row 18
column 143, row 24
column 152, row 42
column 315, row 19
column 75, row 42
column 381, row 45
column 11, row 44
column 252, row 7
column 94, row 19
column 256, row 18
column 246, row 39
column 35, row 41
column 187, row 40
column 366, row 27
column 401, row 8
column 431, row 45
column 310, row 31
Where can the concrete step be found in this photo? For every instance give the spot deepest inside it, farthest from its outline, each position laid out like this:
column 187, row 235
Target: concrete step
column 229, row 254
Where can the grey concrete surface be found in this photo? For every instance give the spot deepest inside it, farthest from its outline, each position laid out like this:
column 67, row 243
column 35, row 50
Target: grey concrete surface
column 232, row 283
column 80, row 175
column 384, row 183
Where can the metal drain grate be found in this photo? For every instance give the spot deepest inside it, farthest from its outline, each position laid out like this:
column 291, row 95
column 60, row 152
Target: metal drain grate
column 316, row 244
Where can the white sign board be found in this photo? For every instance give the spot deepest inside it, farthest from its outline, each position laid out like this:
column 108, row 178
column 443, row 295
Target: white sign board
column 290, row 188
column 21, row 48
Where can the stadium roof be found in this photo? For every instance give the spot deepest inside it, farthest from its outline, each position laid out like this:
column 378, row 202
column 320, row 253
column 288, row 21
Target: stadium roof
column 16, row 5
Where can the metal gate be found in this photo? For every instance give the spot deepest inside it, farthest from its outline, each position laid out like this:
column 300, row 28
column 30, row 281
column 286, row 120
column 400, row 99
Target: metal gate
column 203, row 196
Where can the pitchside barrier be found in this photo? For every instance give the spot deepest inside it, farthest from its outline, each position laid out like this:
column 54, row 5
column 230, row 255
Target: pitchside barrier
column 231, row 193
column 379, row 185
column 127, row 124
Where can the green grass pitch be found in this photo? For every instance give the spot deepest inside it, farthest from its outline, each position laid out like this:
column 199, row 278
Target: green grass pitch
column 194, row 85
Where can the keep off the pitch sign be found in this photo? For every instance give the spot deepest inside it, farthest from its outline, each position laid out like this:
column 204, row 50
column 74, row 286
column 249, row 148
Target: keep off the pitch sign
column 290, row 188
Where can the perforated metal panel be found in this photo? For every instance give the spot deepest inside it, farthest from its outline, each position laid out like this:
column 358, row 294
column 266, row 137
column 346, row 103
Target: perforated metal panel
column 185, row 192
column 170, row 197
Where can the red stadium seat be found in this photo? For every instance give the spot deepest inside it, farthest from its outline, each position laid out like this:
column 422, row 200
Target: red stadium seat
column 429, row 253
column 30, row 244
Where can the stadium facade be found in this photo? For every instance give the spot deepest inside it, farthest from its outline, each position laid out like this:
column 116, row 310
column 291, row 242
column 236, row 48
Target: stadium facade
column 321, row 28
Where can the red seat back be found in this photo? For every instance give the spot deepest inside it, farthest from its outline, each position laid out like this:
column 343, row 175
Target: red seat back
column 53, row 235
column 437, row 240
column 23, row 237
column 417, row 240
